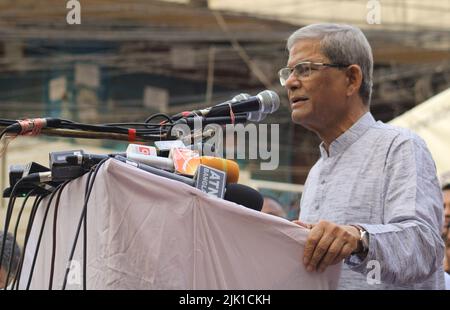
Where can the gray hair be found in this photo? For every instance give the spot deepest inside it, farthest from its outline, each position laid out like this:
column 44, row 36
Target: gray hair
column 342, row 44
column 10, row 244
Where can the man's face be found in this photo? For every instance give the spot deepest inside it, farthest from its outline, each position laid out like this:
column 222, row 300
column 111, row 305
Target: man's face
column 319, row 100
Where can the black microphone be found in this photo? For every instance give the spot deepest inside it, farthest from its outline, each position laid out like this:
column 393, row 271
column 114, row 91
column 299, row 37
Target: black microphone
column 194, row 113
column 244, row 195
column 220, row 120
column 254, row 116
column 87, row 160
column 32, row 176
column 42, row 185
column 265, row 102
column 63, row 170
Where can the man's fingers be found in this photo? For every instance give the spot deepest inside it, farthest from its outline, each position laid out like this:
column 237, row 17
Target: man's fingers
column 313, row 239
column 320, row 251
column 305, row 225
column 332, row 255
column 345, row 252
column 327, row 244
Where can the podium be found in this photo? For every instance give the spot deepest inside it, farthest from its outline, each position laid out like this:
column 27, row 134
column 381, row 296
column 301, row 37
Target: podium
column 149, row 232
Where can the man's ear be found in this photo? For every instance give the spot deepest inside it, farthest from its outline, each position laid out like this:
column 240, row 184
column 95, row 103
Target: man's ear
column 354, row 79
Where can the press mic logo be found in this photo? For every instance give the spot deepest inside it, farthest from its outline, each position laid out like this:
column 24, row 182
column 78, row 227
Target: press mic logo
column 374, row 13
column 144, row 150
column 74, row 15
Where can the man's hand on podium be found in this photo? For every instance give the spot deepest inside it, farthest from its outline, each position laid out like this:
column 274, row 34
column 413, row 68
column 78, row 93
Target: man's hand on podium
column 328, row 244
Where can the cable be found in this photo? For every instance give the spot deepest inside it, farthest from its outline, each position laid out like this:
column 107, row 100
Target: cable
column 60, row 127
column 26, row 180
column 55, row 216
column 8, row 215
column 36, row 204
column 15, row 235
column 107, row 128
column 6, row 122
column 4, row 131
column 84, row 211
column 137, row 124
column 97, row 168
column 85, row 233
column 167, row 117
column 41, row 233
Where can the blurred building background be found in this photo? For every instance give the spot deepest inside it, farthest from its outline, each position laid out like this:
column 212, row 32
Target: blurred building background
column 130, row 59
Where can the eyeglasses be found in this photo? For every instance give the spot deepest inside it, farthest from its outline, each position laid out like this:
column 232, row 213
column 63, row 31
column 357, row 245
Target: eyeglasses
column 303, row 70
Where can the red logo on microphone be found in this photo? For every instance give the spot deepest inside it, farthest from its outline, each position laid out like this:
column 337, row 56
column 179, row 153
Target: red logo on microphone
column 144, row 150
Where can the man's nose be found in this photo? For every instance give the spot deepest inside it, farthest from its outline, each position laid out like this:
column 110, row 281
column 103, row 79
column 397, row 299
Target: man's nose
column 292, row 82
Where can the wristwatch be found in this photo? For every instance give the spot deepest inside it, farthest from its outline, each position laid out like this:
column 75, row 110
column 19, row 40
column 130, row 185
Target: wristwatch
column 363, row 242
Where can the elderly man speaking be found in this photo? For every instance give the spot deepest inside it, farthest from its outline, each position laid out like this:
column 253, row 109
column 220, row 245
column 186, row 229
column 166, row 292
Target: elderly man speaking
column 373, row 198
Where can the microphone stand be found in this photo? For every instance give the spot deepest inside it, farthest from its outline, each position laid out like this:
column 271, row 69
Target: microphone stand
column 72, row 133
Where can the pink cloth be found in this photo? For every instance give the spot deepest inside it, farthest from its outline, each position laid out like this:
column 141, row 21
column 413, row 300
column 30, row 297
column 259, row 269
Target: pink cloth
column 148, row 232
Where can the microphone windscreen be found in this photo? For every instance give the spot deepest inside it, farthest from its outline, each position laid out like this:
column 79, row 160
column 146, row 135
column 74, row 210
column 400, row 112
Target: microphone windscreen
column 244, row 195
column 230, row 167
column 270, row 101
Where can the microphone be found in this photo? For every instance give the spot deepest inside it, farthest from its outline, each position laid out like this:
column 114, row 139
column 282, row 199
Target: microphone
column 145, row 154
column 40, row 182
column 157, row 171
column 81, row 161
column 230, row 167
column 236, row 98
column 183, row 161
column 62, row 169
column 220, row 120
column 38, row 177
column 265, row 102
column 210, row 181
column 187, row 114
column 254, row 116
column 32, row 176
column 244, row 195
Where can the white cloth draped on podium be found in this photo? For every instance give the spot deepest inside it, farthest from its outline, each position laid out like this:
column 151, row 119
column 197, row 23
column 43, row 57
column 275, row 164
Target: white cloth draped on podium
column 149, row 232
